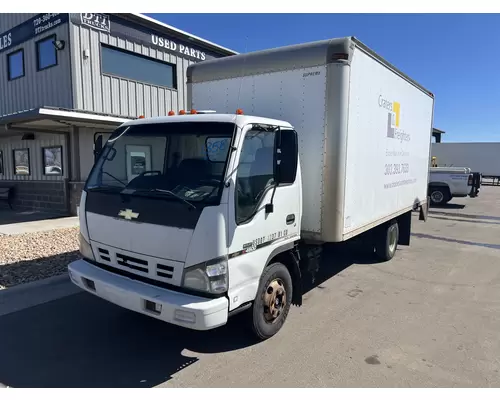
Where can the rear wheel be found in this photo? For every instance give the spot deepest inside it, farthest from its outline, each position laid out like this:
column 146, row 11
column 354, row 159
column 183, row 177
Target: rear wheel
column 387, row 241
column 272, row 304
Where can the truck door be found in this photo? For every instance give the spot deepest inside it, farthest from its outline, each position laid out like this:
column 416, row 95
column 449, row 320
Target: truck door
column 263, row 217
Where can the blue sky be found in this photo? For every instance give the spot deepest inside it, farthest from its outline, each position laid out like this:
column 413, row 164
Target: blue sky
column 455, row 56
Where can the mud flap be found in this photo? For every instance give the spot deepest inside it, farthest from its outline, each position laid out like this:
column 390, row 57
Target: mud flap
column 424, row 210
column 404, row 223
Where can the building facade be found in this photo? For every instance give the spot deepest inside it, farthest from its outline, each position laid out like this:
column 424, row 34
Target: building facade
column 65, row 79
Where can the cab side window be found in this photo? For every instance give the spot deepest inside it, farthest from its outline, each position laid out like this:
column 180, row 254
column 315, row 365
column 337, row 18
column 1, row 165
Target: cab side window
column 255, row 172
column 287, row 161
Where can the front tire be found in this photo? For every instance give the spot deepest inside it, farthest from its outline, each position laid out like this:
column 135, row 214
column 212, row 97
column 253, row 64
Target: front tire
column 273, row 301
column 387, row 243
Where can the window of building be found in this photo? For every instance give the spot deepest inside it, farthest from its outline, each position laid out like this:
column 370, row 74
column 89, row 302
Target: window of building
column 46, row 53
column 1, row 162
column 21, row 161
column 52, row 160
column 128, row 65
column 15, row 64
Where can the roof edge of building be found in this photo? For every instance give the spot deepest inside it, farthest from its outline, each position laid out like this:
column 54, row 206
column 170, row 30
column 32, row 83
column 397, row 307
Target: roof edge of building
column 154, row 23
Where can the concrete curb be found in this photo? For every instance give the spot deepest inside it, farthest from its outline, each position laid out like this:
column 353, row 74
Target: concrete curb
column 35, row 293
column 39, row 226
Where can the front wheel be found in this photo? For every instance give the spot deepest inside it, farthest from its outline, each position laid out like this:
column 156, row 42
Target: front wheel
column 387, row 243
column 273, row 300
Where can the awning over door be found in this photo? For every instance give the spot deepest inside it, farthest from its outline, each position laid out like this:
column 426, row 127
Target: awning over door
column 56, row 120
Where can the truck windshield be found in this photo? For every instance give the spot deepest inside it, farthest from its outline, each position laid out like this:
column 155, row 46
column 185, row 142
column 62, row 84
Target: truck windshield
column 183, row 161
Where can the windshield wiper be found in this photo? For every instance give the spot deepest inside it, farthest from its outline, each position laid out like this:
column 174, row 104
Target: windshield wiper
column 155, row 190
column 103, row 188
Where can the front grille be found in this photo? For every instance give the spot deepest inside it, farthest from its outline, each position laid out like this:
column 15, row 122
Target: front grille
column 132, row 262
column 104, row 254
column 164, row 271
column 143, row 266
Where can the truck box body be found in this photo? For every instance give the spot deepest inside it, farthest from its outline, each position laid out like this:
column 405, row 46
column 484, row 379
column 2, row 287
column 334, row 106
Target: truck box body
column 364, row 128
column 479, row 157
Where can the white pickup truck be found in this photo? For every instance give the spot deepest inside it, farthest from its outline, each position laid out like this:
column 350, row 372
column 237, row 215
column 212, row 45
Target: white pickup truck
column 445, row 183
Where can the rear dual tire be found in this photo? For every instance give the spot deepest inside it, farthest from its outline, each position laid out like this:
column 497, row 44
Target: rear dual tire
column 386, row 242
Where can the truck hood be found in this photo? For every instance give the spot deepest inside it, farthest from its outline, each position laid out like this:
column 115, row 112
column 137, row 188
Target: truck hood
column 159, row 241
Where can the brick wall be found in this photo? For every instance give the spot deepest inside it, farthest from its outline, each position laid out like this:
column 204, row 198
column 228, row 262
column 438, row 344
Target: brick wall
column 50, row 196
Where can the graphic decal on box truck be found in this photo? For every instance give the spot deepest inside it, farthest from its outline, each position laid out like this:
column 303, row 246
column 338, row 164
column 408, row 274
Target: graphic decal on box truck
column 394, row 131
column 393, row 119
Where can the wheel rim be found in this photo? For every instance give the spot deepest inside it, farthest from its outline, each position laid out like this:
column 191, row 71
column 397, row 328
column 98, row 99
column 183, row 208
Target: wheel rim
column 274, row 300
column 437, row 197
column 393, row 238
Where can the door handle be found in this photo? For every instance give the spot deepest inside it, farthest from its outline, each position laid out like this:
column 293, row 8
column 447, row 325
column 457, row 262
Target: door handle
column 290, row 219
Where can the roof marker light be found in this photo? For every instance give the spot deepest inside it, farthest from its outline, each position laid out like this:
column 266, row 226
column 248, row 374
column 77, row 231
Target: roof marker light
column 170, row 113
column 193, row 111
column 182, row 112
column 239, row 111
column 140, row 116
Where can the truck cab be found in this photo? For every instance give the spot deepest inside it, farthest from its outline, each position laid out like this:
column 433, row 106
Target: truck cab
column 190, row 218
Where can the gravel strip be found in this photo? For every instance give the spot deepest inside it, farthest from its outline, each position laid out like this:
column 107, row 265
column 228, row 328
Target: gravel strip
column 33, row 256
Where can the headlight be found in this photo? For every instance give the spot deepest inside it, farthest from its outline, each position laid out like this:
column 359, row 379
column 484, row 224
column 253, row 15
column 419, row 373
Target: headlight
column 210, row 276
column 85, row 249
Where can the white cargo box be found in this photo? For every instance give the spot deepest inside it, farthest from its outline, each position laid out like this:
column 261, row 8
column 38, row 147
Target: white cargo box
column 364, row 127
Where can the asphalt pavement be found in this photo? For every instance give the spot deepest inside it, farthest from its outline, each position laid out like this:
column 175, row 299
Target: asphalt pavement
column 428, row 318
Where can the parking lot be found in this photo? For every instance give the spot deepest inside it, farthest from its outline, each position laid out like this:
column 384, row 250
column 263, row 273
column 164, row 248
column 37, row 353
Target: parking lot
column 428, row 318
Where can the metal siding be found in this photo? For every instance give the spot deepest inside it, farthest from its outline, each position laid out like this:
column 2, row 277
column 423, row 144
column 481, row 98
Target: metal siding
column 106, row 88
column 100, row 93
column 154, row 101
column 124, row 97
column 132, row 99
column 147, row 100
column 10, row 20
column 96, row 73
column 8, row 144
column 181, row 79
column 76, row 65
column 115, row 96
column 86, row 73
column 49, row 87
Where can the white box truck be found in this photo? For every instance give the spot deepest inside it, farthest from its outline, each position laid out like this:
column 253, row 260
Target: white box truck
column 192, row 218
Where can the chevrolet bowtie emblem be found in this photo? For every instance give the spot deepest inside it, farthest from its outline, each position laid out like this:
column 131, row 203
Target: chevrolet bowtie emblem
column 128, row 214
